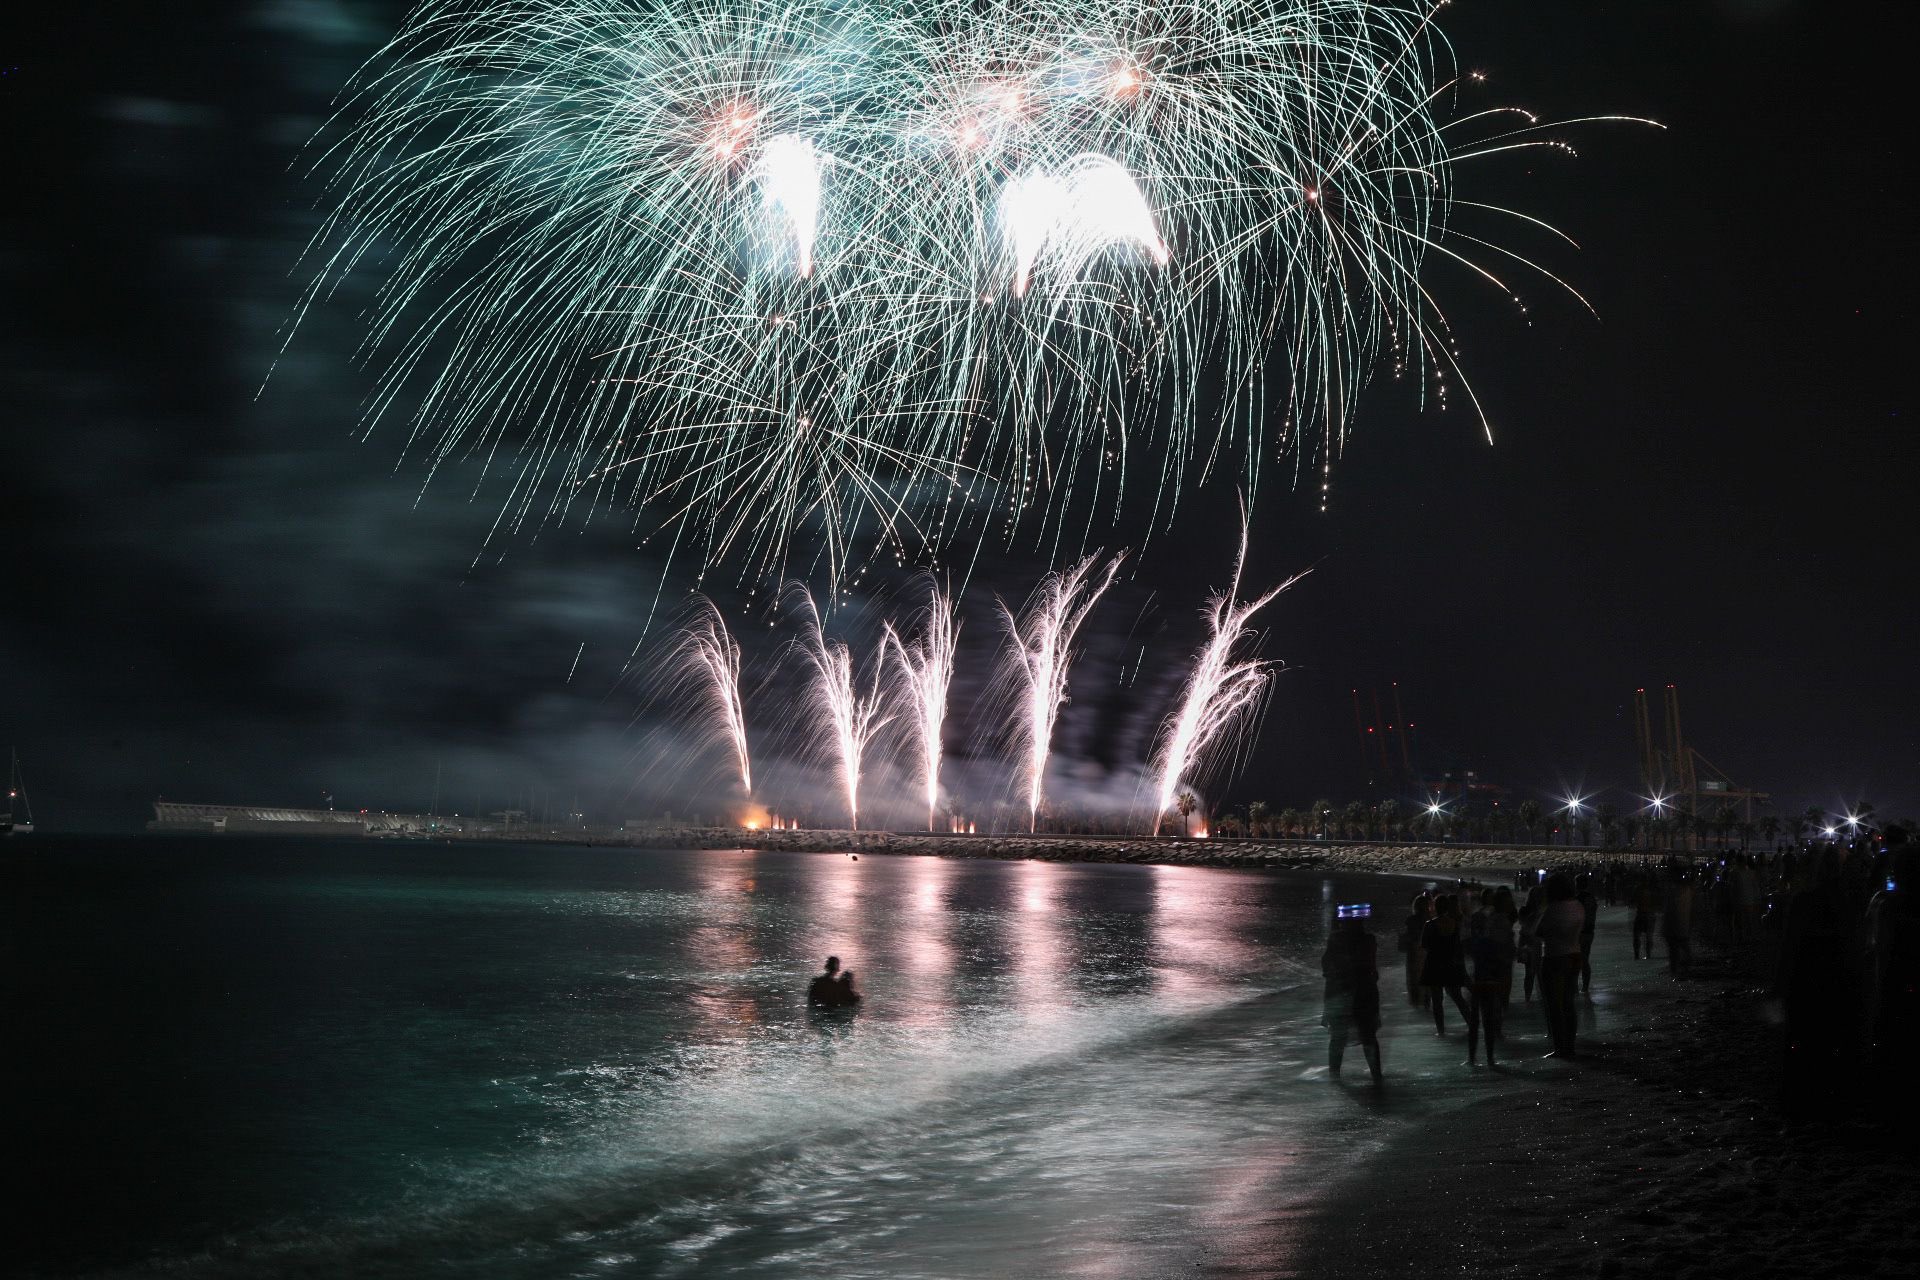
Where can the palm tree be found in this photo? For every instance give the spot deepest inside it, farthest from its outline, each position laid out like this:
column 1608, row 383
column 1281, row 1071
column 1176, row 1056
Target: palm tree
column 1725, row 819
column 1322, row 814
column 1529, row 816
column 1609, row 817
column 1388, row 812
column 1185, row 803
column 1464, row 825
column 1770, row 828
column 1257, row 817
column 1812, row 818
column 1355, row 818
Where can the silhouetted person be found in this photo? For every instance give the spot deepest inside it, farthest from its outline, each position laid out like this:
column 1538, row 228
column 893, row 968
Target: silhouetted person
column 1560, row 960
column 1893, row 956
column 1417, row 917
column 845, row 994
column 1820, row 976
column 1491, row 950
column 1676, row 925
column 823, row 991
column 1444, row 968
column 1350, row 965
column 1529, row 942
column 1583, row 894
column 1646, row 906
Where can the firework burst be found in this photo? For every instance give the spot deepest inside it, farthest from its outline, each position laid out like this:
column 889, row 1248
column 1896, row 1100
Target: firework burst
column 773, row 270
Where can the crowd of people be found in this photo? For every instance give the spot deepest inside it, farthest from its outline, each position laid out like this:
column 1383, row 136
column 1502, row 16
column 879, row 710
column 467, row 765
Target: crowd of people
column 1461, row 948
column 1833, row 928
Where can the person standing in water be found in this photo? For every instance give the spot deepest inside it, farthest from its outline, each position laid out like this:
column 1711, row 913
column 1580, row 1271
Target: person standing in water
column 824, row 991
column 845, row 994
column 1351, row 967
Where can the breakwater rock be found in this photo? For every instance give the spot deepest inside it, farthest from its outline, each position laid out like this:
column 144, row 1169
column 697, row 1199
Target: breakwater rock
column 1412, row 859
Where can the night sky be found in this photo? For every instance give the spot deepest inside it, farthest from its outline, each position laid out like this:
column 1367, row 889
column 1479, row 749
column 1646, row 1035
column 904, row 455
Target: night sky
column 214, row 598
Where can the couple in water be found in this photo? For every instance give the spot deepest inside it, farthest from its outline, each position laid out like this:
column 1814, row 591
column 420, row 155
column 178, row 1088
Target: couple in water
column 833, row 989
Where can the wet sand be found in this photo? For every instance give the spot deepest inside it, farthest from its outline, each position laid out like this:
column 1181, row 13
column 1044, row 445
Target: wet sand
column 1660, row 1152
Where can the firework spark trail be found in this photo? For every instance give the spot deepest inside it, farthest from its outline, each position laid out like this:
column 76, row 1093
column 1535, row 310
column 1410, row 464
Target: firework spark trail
column 925, row 672
column 850, row 719
column 704, row 665
column 1039, row 654
column 1222, row 694
column 761, row 268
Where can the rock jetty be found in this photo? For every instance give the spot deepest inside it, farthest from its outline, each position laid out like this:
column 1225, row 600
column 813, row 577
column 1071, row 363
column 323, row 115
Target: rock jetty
column 1212, row 852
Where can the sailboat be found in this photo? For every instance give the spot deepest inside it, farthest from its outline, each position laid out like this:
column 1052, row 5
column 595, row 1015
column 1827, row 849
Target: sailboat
column 14, row 824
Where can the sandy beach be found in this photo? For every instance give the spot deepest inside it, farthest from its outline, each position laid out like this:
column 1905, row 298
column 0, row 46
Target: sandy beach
column 1662, row 1151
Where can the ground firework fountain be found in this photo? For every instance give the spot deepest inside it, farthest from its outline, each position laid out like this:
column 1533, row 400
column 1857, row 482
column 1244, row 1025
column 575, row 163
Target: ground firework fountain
column 925, row 671
column 1040, row 652
column 1221, row 696
column 849, row 718
column 705, row 668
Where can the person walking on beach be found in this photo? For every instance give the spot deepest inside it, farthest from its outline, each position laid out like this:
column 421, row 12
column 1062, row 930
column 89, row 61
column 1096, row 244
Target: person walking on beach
column 1528, row 947
column 1491, row 952
column 1352, row 971
column 1444, row 965
column 1646, row 905
column 1410, row 935
column 1559, row 929
column 1821, row 973
column 1676, row 924
column 1893, row 958
column 1588, row 926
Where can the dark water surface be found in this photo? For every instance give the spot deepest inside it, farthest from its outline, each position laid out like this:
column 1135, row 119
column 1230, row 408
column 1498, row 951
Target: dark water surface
column 243, row 1057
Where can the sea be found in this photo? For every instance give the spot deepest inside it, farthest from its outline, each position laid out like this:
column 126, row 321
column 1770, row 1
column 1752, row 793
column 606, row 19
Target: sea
column 250, row 1057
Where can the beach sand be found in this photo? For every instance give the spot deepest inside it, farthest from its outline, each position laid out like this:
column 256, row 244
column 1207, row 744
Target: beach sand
column 1661, row 1151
